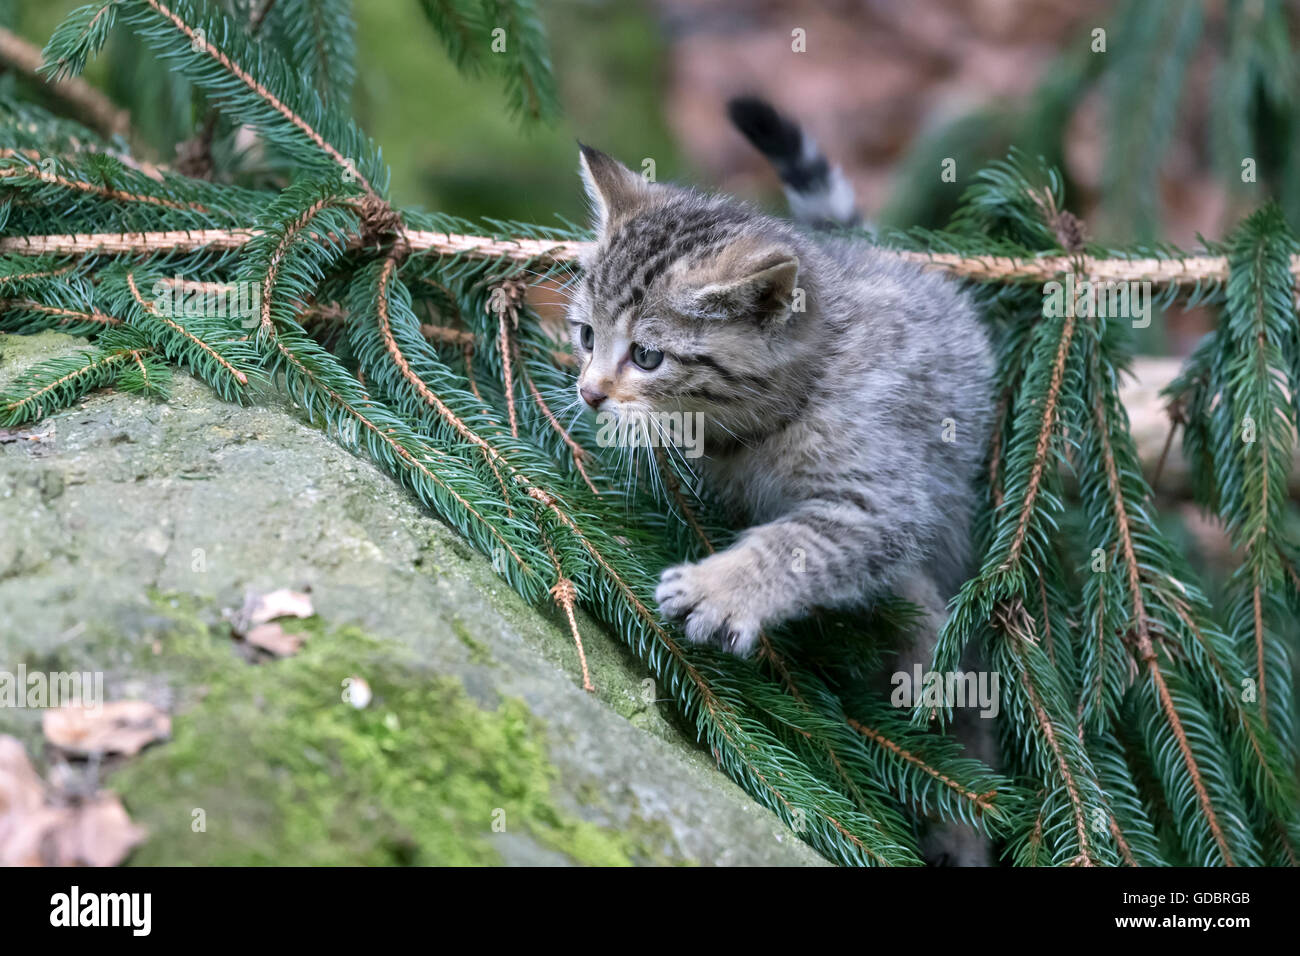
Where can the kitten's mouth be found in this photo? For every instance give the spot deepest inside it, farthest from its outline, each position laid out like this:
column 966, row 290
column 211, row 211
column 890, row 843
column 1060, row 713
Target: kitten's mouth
column 621, row 412
column 624, row 415
column 600, row 404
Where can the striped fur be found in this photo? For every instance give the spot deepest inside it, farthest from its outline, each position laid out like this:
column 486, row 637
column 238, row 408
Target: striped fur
column 846, row 402
column 824, row 427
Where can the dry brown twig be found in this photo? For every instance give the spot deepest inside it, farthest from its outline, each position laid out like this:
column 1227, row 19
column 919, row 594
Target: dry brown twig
column 1185, row 271
column 103, row 114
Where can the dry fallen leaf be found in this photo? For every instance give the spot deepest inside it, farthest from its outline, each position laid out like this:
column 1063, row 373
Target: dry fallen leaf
column 22, row 797
column 24, row 817
column 272, row 637
column 120, row 727
column 37, row 830
column 255, row 620
column 260, row 608
column 8, row 435
column 95, row 833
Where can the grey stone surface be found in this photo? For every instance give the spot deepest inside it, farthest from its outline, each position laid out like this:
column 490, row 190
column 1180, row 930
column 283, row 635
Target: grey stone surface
column 129, row 503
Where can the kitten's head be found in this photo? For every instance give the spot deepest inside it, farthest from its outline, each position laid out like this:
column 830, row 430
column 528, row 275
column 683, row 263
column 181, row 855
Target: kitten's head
column 684, row 302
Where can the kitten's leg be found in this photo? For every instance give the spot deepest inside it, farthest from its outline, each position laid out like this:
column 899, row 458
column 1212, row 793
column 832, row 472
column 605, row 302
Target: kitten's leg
column 823, row 553
column 945, row 841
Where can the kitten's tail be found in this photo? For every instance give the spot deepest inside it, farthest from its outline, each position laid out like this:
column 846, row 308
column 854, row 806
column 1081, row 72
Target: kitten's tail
column 818, row 192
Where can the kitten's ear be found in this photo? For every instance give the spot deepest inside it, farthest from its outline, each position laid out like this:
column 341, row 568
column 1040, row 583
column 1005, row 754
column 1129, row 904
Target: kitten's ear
column 748, row 280
column 614, row 190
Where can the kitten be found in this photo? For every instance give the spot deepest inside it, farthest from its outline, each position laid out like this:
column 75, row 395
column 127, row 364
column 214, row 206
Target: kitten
column 846, row 398
column 845, row 394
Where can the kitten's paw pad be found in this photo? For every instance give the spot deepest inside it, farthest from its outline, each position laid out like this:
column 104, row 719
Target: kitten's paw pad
column 711, row 613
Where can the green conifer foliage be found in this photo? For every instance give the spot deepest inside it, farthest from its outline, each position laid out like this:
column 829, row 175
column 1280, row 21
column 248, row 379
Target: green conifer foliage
column 1141, row 724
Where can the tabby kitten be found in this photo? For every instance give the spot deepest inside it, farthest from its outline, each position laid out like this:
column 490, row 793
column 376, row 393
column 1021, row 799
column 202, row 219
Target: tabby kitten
column 845, row 394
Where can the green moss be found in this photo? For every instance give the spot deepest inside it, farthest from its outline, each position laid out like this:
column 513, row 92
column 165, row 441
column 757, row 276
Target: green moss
column 286, row 772
column 478, row 651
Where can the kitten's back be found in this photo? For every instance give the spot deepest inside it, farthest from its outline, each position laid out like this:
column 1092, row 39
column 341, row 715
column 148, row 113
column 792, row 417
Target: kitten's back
column 930, row 379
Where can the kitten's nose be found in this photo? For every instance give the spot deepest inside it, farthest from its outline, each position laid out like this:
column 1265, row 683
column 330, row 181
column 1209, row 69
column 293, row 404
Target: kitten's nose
column 591, row 396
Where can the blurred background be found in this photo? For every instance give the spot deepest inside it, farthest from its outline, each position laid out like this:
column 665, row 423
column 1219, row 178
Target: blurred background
column 1168, row 119
column 1148, row 107
column 1149, row 124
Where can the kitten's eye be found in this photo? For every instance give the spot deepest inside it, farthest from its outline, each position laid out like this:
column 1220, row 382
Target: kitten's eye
column 646, row 358
column 587, row 336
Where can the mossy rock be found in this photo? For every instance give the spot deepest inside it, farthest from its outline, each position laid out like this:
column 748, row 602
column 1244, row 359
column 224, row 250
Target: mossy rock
column 134, row 523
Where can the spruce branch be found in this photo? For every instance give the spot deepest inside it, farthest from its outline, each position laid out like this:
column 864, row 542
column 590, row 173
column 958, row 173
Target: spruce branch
column 319, row 37
column 310, row 232
column 1046, row 431
column 35, row 171
column 506, row 350
column 65, row 316
column 183, row 32
column 727, row 733
column 505, row 36
column 421, row 389
column 1129, row 823
column 980, row 801
column 1178, row 271
column 1145, row 648
column 1058, row 746
column 22, row 273
column 58, row 383
column 78, row 38
column 1260, row 318
column 675, row 490
column 577, row 451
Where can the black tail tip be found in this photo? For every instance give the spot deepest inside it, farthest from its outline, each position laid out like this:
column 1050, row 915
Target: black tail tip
column 770, row 132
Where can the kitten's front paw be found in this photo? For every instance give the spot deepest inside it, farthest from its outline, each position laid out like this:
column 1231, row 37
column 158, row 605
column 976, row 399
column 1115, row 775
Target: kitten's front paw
column 715, row 609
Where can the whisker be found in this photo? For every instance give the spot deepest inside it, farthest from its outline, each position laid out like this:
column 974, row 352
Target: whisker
column 562, row 288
